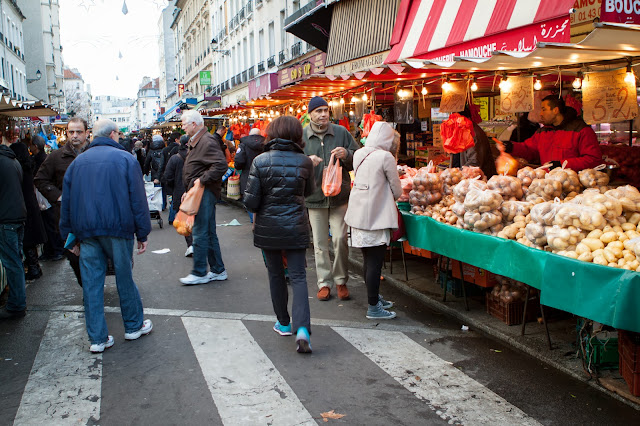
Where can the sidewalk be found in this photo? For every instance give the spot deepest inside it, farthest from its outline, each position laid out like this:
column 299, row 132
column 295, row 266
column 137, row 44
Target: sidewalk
column 422, row 286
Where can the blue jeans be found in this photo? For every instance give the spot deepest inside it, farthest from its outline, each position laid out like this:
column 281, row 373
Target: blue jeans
column 206, row 247
column 11, row 236
column 93, row 266
column 172, row 213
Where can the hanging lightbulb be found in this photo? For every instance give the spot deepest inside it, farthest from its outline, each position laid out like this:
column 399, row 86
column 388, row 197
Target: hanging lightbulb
column 290, row 109
column 365, row 97
column 504, row 83
column 278, row 113
column 424, row 91
column 630, row 77
column 577, row 83
column 351, row 112
column 299, row 111
column 341, row 101
column 474, row 85
column 538, row 84
column 304, row 107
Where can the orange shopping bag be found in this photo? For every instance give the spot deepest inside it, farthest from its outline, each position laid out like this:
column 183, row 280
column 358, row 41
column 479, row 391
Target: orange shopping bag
column 191, row 202
column 184, row 223
column 332, row 177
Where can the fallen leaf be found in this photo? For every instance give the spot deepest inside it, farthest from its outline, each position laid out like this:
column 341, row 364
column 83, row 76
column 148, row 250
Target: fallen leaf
column 495, row 350
column 572, row 395
column 331, row 415
column 418, row 378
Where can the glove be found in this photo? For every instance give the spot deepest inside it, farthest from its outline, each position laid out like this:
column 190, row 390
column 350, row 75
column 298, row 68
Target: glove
column 555, row 164
column 508, row 146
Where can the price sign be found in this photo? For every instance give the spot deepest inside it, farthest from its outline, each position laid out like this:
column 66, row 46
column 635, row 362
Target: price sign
column 454, row 97
column 608, row 98
column 517, row 95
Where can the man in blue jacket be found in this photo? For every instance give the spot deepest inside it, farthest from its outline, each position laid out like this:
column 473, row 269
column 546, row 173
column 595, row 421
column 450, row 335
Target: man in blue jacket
column 104, row 204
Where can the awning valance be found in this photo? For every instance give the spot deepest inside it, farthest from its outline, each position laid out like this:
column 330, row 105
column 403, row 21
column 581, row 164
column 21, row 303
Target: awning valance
column 429, row 29
column 182, row 103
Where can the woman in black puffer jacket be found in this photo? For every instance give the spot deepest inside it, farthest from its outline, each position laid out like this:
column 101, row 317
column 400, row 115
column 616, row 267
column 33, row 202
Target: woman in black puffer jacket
column 278, row 183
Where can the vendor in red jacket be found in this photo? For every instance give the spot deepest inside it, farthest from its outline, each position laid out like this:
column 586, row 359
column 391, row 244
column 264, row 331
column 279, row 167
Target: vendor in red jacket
column 563, row 137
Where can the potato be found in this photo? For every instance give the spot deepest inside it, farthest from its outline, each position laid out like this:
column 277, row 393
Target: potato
column 622, row 236
column 621, row 262
column 634, row 264
column 450, row 178
column 571, row 254
column 600, row 260
column 608, row 237
column 634, row 218
column 599, row 252
column 629, row 226
column 596, row 233
column 509, row 187
column 618, row 245
column 593, row 244
column 582, row 248
column 612, row 264
column 586, row 257
column 610, row 256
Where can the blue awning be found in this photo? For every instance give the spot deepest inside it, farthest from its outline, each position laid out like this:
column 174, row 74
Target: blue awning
column 187, row 103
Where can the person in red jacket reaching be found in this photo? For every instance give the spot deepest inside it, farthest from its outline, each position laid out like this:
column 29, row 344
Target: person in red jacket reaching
column 564, row 137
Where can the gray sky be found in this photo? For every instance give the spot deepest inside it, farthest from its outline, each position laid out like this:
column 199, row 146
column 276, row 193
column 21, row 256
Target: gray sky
column 95, row 32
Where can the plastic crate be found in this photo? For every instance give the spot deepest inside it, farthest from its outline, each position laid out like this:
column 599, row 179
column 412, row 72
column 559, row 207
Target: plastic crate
column 409, row 249
column 473, row 274
column 602, row 354
column 511, row 313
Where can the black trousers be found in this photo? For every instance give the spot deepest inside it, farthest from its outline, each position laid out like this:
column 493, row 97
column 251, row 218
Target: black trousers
column 296, row 260
column 54, row 245
column 373, row 260
column 74, row 261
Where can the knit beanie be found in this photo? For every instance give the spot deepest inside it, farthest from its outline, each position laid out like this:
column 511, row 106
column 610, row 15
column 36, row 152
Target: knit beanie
column 316, row 102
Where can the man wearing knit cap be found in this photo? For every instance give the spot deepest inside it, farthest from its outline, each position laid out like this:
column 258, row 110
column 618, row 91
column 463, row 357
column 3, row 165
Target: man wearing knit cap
column 323, row 139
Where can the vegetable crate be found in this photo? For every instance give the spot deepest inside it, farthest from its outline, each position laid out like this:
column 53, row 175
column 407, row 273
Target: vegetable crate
column 602, row 354
column 454, row 287
column 473, row 274
column 629, row 352
column 409, row 249
column 511, row 313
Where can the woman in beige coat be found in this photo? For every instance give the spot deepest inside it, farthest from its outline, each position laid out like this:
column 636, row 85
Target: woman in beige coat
column 372, row 212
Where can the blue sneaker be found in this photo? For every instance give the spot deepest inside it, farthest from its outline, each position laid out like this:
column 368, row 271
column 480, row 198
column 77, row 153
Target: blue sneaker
column 283, row 330
column 386, row 304
column 303, row 341
column 376, row 312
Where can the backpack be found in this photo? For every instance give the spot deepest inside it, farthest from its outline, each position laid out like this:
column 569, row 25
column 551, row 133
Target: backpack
column 157, row 160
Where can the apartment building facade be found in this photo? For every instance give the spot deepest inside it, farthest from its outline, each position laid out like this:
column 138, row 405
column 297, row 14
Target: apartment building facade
column 146, row 107
column 113, row 108
column 167, row 58
column 77, row 95
column 14, row 74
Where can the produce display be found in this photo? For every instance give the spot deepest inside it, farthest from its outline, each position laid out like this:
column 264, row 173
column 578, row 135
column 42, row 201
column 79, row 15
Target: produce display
column 598, row 224
column 508, row 290
column 628, row 158
column 469, row 172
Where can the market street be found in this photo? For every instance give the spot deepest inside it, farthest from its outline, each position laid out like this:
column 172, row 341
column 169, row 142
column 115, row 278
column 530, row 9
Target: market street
column 213, row 358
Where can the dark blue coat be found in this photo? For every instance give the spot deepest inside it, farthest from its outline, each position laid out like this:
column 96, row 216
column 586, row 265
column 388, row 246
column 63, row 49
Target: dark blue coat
column 103, row 194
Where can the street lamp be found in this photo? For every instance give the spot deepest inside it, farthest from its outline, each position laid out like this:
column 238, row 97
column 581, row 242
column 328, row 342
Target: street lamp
column 224, row 52
column 38, row 77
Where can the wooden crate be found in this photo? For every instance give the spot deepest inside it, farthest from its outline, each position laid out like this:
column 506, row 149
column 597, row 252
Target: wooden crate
column 511, row 313
column 473, row 274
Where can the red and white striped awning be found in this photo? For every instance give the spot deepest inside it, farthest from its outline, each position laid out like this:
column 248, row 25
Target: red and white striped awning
column 442, row 29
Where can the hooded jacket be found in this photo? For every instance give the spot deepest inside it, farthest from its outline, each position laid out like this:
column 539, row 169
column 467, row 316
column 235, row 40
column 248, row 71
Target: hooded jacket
column 34, row 230
column 172, row 177
column 573, row 140
column 154, row 162
column 12, row 208
column 376, row 185
column 250, row 147
column 336, row 136
column 103, row 195
column 278, row 183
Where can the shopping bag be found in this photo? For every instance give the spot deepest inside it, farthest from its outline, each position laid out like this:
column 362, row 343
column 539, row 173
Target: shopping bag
column 233, row 187
column 154, row 196
column 191, row 202
column 457, row 133
column 184, row 223
column 43, row 203
column 400, row 232
column 332, row 177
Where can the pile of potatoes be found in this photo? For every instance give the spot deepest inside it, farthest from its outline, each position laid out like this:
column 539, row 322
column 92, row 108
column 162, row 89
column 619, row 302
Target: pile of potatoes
column 510, row 187
column 508, row 290
column 482, row 210
column 591, row 178
column 515, row 230
column 461, row 189
column 541, row 190
column 473, row 173
column 571, row 185
column 528, row 174
column 450, row 178
column 427, row 190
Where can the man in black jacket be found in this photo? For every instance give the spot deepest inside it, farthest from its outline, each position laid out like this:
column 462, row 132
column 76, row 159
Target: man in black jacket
column 13, row 214
column 250, row 147
column 172, row 148
column 172, row 179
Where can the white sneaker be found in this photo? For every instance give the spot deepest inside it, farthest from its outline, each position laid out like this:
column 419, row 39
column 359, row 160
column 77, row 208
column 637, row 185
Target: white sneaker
column 98, row 348
column 194, row 279
column 189, row 252
column 212, row 276
column 146, row 328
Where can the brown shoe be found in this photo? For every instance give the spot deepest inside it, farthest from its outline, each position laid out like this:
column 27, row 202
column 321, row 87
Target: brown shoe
column 324, row 293
column 343, row 292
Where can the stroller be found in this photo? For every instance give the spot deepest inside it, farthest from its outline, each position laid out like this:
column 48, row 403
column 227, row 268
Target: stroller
column 154, row 198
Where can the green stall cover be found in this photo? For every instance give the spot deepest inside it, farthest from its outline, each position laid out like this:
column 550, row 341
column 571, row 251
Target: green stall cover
column 604, row 294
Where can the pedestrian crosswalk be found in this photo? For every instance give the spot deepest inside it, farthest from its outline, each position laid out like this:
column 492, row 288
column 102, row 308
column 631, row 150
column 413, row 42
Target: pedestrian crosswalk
column 246, row 387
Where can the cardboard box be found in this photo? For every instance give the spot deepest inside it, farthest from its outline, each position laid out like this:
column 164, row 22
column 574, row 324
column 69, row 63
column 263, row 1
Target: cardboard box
column 473, row 274
column 409, row 249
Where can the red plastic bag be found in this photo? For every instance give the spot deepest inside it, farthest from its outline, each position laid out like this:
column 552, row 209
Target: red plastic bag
column 184, row 223
column 332, row 177
column 368, row 121
column 191, row 202
column 457, row 134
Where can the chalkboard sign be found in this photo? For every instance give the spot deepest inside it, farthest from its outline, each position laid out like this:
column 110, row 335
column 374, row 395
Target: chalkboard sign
column 454, row 97
column 608, row 98
column 517, row 95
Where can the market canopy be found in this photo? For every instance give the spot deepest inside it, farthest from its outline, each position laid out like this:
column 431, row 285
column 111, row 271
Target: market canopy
column 441, row 29
column 13, row 108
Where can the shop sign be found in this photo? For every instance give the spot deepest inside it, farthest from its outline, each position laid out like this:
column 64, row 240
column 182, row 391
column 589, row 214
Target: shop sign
column 585, row 11
column 608, row 98
column 454, row 97
column 483, row 105
column 205, row 78
column 357, row 65
column 620, row 11
column 517, row 95
column 302, row 70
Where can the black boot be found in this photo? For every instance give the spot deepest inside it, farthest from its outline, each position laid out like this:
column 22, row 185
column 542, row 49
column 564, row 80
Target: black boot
column 33, row 272
column 31, row 262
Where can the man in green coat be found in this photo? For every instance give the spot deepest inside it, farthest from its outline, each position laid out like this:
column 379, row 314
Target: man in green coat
column 321, row 140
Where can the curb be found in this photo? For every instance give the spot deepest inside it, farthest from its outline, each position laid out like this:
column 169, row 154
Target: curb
column 496, row 334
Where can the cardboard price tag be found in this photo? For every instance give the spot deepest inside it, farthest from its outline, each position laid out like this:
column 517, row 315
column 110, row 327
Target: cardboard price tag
column 454, row 97
column 608, row 98
column 517, row 95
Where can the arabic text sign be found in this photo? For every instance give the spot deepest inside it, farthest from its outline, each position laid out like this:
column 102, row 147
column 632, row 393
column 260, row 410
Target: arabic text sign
column 454, row 98
column 517, row 95
column 607, row 98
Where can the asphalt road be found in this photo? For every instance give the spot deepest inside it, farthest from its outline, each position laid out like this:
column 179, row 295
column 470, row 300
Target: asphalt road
column 212, row 357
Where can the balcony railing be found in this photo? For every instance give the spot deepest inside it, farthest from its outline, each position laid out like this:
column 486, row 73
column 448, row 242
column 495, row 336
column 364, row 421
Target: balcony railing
column 251, row 72
column 261, row 67
column 245, row 74
column 233, row 81
column 238, row 78
column 271, row 61
column 249, row 8
column 296, row 50
column 258, row 3
column 310, row 47
column 282, row 57
column 241, row 14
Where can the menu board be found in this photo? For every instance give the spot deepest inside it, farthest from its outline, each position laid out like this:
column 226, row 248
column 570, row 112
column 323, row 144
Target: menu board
column 608, row 98
column 517, row 95
column 454, row 97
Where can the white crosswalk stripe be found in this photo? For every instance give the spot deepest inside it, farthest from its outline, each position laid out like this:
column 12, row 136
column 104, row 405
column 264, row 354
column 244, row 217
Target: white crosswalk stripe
column 244, row 383
column 64, row 387
column 453, row 395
